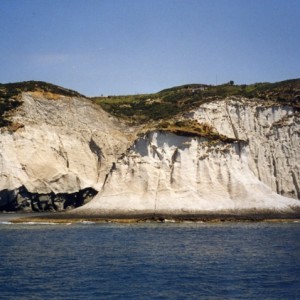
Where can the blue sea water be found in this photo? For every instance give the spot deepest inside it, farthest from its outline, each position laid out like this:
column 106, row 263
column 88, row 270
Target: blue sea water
column 150, row 261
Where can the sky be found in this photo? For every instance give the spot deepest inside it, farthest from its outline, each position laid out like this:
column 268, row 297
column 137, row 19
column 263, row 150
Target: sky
column 117, row 47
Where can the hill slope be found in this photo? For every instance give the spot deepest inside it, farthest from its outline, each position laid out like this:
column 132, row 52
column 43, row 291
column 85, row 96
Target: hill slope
column 183, row 151
column 177, row 100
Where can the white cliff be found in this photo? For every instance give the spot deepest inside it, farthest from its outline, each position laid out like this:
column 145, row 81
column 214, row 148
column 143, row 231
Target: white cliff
column 64, row 145
column 60, row 145
column 273, row 137
column 168, row 174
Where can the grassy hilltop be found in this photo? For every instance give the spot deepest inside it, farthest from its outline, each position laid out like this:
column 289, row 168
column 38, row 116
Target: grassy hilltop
column 10, row 95
column 170, row 102
column 159, row 108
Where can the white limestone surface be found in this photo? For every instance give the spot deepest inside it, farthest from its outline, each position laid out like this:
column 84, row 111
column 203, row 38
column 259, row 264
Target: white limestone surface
column 63, row 145
column 272, row 133
column 67, row 144
column 166, row 173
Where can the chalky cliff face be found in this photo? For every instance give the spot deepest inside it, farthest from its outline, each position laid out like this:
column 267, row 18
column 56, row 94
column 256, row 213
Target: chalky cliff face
column 272, row 135
column 56, row 152
column 62, row 152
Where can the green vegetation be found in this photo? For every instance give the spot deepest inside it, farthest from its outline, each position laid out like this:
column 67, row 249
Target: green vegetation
column 12, row 89
column 8, row 101
column 164, row 106
column 192, row 128
column 9, row 95
column 171, row 102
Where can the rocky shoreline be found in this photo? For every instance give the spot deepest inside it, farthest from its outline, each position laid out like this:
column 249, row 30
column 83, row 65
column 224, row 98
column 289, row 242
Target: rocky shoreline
column 63, row 218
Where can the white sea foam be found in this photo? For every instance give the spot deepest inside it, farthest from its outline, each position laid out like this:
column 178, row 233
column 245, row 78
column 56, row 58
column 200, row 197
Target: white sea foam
column 43, row 223
column 169, row 221
column 87, row 222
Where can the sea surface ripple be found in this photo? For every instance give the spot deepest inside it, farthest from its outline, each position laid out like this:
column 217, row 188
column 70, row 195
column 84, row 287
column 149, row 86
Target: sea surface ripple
column 150, row 261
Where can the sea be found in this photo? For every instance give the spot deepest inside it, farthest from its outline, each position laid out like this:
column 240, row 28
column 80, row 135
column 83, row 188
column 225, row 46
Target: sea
column 238, row 260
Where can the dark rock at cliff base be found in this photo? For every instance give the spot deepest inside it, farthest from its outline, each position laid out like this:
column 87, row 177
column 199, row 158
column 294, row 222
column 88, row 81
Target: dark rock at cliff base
column 22, row 200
